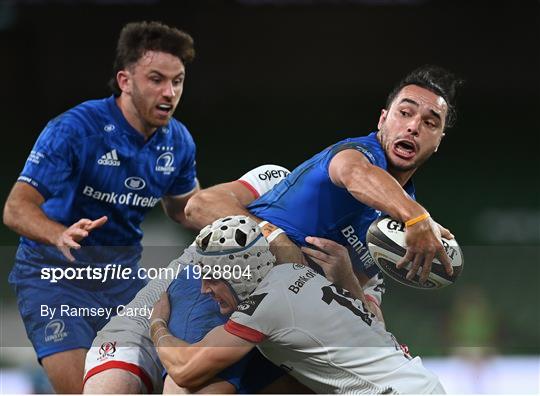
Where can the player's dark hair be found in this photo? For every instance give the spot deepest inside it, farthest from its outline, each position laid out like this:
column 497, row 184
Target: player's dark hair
column 436, row 79
column 136, row 38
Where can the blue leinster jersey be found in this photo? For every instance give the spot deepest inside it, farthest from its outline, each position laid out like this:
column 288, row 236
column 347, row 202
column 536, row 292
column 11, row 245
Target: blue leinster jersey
column 307, row 203
column 90, row 162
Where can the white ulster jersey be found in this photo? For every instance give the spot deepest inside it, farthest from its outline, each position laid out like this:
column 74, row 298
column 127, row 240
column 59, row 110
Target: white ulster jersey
column 125, row 340
column 326, row 339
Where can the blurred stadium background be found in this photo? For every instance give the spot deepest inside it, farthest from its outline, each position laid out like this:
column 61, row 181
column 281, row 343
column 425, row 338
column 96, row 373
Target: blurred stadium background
column 275, row 81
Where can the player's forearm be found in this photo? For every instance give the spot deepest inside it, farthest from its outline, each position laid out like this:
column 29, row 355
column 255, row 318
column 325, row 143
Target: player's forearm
column 208, row 206
column 174, row 207
column 172, row 351
column 180, row 217
column 28, row 219
column 376, row 188
column 184, row 363
column 352, row 284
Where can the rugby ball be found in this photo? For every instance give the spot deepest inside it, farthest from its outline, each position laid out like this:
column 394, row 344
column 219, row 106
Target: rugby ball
column 386, row 243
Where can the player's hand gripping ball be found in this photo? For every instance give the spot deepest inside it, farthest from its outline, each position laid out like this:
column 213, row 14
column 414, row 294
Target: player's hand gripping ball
column 386, row 243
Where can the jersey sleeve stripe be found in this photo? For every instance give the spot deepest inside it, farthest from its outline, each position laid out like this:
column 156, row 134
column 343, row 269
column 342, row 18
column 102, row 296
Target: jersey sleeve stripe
column 250, row 188
column 44, row 191
column 196, row 185
column 362, row 148
column 247, row 333
column 132, row 368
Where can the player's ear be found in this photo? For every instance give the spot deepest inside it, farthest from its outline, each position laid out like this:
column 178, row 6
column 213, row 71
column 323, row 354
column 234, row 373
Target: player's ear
column 382, row 118
column 123, row 78
column 438, row 144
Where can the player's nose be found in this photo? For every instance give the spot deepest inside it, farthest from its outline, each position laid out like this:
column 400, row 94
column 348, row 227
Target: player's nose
column 414, row 125
column 169, row 91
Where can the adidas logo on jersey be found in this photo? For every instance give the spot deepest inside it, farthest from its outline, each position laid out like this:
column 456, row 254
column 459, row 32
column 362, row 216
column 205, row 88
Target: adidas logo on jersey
column 109, row 159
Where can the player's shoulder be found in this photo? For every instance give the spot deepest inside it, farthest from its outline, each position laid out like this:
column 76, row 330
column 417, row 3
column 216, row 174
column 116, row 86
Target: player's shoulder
column 268, row 308
column 283, row 282
column 267, row 299
column 286, row 274
column 81, row 121
column 368, row 145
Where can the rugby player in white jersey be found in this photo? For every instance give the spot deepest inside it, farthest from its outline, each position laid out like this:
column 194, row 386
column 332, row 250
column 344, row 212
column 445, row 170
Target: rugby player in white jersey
column 298, row 319
column 122, row 358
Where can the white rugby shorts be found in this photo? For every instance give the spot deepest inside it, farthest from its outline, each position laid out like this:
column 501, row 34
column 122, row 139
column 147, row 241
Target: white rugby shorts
column 132, row 352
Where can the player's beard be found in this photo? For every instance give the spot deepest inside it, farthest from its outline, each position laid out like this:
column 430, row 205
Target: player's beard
column 413, row 165
column 145, row 109
column 387, row 145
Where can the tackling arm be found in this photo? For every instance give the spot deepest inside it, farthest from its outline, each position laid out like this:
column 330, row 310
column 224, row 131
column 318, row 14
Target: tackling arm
column 229, row 199
column 222, row 200
column 193, row 365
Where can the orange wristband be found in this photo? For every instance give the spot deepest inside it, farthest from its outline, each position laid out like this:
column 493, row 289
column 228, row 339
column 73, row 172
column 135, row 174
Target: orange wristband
column 270, row 231
column 418, row 219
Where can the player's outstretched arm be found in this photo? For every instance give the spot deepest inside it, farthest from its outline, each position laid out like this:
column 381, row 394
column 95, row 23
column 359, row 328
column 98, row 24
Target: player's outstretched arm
column 376, row 188
column 218, row 201
column 228, row 199
column 193, row 365
column 23, row 214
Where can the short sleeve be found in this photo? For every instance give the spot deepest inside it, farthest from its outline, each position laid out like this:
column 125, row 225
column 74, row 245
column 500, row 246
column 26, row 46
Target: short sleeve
column 368, row 146
column 245, row 332
column 51, row 161
column 186, row 179
column 254, row 318
column 263, row 178
column 363, row 148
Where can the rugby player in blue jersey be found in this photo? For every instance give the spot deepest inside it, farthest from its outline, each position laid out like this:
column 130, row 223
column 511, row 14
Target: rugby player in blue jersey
column 339, row 192
column 93, row 174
